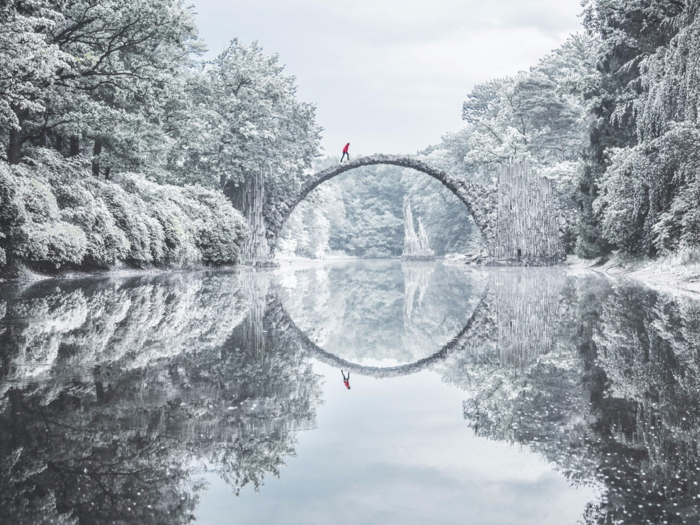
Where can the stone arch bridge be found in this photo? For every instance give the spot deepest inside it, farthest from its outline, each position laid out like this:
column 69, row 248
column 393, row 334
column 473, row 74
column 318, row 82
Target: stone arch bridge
column 519, row 217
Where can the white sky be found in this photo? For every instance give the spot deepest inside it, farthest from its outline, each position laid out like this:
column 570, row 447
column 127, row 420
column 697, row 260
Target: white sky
column 390, row 76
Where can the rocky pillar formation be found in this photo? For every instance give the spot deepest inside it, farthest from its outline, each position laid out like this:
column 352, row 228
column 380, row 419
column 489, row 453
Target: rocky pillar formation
column 249, row 199
column 423, row 244
column 415, row 247
column 530, row 227
column 411, row 245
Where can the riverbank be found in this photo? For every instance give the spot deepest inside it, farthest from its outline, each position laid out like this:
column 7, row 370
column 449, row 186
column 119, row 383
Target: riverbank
column 679, row 274
column 56, row 217
column 29, row 276
column 666, row 274
column 663, row 274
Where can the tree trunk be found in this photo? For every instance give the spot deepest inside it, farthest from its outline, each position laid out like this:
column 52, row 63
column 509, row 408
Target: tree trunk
column 14, row 148
column 96, row 150
column 74, row 146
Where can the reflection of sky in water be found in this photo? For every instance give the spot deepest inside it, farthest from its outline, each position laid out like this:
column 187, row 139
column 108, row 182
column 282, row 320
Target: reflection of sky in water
column 399, row 451
column 380, row 313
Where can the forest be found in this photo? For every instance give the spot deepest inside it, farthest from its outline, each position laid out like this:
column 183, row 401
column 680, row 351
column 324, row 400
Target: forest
column 123, row 146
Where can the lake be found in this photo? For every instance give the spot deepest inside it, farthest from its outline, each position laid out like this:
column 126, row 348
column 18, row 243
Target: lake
column 358, row 392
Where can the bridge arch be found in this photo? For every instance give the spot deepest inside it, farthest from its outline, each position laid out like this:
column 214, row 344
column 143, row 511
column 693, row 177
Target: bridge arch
column 481, row 200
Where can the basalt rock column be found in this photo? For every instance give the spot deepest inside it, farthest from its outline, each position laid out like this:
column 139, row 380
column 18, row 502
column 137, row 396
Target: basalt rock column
column 249, row 199
column 530, row 222
column 415, row 247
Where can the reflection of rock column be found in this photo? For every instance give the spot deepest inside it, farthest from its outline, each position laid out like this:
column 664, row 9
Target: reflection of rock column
column 250, row 332
column 527, row 309
column 415, row 278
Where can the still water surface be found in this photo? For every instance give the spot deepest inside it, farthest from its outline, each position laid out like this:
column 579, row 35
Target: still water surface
column 523, row 396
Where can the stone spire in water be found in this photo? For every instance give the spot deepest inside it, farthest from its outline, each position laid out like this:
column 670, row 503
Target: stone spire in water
column 423, row 244
column 411, row 244
column 415, row 247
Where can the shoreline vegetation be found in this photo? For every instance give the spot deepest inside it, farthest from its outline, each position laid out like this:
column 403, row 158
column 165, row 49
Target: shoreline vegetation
column 56, row 216
column 667, row 274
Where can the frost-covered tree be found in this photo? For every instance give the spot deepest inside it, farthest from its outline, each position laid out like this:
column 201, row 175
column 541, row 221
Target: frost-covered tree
column 246, row 123
column 55, row 214
column 102, row 76
column 538, row 115
column 653, row 186
column 629, row 31
column 29, row 66
column 650, row 193
column 130, row 55
column 541, row 115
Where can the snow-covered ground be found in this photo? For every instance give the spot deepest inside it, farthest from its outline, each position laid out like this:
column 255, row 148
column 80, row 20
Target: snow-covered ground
column 666, row 274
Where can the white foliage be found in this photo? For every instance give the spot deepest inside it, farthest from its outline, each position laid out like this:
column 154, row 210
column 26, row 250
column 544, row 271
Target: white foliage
column 58, row 213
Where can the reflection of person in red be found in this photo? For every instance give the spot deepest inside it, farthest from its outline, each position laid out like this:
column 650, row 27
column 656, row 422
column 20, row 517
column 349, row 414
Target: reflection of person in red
column 345, row 152
column 346, row 380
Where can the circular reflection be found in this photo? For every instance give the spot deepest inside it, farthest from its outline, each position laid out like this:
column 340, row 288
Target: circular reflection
column 379, row 314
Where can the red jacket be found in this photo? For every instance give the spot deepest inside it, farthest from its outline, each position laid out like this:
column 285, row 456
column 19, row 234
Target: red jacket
column 345, row 149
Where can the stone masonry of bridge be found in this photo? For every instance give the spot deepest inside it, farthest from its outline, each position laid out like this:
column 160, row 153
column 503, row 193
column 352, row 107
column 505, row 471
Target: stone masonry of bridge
column 519, row 218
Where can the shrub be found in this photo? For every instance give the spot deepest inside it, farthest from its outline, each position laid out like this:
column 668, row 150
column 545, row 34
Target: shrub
column 55, row 212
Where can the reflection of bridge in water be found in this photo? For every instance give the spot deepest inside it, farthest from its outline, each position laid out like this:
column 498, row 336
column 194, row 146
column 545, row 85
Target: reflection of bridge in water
column 515, row 318
column 475, row 324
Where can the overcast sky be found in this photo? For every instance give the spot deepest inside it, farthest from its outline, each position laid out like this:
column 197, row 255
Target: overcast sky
column 390, row 76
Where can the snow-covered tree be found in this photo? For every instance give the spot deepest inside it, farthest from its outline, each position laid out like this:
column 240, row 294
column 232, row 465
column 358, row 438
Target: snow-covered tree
column 55, row 213
column 98, row 72
column 246, row 120
column 538, row 115
column 29, row 66
column 629, row 32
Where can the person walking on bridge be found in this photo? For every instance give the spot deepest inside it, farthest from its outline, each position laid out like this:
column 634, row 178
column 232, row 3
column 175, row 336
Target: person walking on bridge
column 345, row 152
column 346, row 380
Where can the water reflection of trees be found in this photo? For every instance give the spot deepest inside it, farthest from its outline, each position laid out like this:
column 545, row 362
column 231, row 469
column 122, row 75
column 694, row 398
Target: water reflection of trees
column 114, row 394
column 189, row 377
column 613, row 398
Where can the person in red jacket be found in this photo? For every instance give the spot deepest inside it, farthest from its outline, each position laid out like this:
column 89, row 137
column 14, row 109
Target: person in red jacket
column 345, row 152
column 346, row 380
